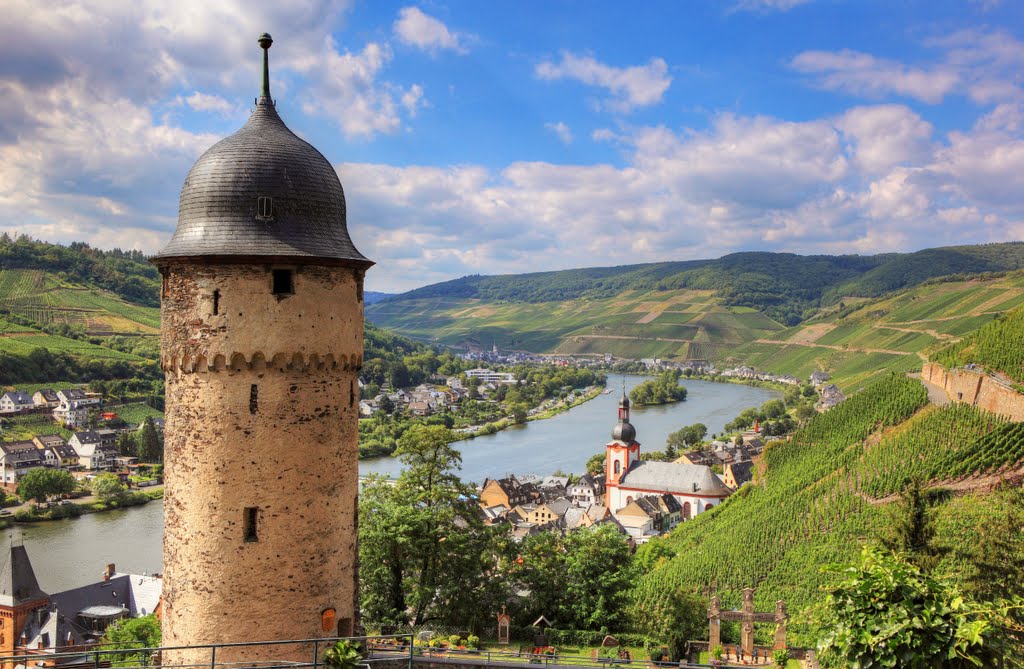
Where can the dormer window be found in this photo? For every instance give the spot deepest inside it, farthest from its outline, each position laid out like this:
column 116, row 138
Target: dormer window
column 264, row 209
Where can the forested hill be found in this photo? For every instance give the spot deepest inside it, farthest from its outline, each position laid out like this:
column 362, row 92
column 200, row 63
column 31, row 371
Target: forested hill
column 783, row 286
column 78, row 314
column 126, row 273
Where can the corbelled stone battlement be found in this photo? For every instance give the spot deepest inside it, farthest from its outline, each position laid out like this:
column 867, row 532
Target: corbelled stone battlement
column 258, row 362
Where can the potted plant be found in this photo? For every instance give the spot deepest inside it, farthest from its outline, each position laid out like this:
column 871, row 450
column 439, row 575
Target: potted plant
column 473, row 643
column 781, row 657
column 716, row 656
column 343, row 655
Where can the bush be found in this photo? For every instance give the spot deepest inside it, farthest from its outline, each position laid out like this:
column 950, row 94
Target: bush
column 26, row 516
column 473, row 642
column 454, row 640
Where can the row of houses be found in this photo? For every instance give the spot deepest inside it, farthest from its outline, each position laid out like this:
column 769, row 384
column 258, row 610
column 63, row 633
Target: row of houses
column 69, row 407
column 91, row 450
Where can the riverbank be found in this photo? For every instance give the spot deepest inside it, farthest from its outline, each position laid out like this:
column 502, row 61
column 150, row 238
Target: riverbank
column 27, row 514
column 505, row 423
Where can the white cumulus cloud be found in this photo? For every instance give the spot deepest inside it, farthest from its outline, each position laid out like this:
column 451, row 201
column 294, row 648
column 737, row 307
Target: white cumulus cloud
column 423, row 31
column 629, row 87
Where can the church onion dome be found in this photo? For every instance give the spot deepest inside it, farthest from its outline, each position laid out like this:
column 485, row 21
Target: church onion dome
column 623, row 430
column 263, row 192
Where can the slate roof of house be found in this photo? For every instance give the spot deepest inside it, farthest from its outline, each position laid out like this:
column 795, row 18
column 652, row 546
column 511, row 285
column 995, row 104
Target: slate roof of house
column 555, row 481
column 49, row 394
column 51, row 440
column 672, row 477
column 138, row 594
column 742, row 472
column 573, row 517
column 21, row 454
column 72, row 393
column 56, row 632
column 558, row 506
column 87, row 437
column 18, row 582
column 18, row 397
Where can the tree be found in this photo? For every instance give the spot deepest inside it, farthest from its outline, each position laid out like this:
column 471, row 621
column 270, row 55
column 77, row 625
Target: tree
column 127, row 444
column 424, row 553
column 108, row 488
column 670, row 617
column 887, row 613
column 519, row 412
column 42, row 483
column 150, row 443
column 805, row 412
column 142, row 632
column 596, row 462
column 598, row 577
column 386, row 405
column 773, row 409
column 688, row 437
column 910, row 530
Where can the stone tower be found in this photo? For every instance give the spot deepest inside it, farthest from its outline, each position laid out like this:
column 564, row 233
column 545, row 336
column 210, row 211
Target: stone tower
column 261, row 342
column 622, row 451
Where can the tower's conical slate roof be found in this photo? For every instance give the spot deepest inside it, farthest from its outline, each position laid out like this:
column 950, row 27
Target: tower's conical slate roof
column 624, row 430
column 18, row 582
column 224, row 209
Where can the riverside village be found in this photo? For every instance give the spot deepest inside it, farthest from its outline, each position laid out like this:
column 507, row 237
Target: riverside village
column 227, row 447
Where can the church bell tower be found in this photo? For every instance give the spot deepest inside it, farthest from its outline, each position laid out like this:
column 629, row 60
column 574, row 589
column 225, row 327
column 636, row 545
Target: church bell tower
column 622, row 451
column 261, row 343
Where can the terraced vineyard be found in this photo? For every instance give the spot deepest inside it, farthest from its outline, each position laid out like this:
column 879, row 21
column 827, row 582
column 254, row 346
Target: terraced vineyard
column 819, row 497
column 44, row 299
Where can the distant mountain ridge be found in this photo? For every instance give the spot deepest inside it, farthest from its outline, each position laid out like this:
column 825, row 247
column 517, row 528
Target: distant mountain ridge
column 784, row 286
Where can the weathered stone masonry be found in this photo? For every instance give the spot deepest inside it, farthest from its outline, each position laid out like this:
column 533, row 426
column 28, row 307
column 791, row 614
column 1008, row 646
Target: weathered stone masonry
column 262, row 414
column 977, row 388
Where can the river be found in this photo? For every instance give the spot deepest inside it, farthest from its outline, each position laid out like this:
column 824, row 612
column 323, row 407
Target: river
column 567, row 440
column 71, row 553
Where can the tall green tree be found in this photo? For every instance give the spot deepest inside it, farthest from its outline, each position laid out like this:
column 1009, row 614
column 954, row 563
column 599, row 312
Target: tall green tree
column 688, row 437
column 598, row 577
column 425, row 554
column 42, row 483
column 911, row 529
column 150, row 443
column 108, row 488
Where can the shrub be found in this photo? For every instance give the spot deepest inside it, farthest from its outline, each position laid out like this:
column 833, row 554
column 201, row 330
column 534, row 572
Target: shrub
column 454, row 640
column 473, row 642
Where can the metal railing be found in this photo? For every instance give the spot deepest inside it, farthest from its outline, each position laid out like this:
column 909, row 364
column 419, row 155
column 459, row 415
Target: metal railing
column 396, row 650
column 288, row 654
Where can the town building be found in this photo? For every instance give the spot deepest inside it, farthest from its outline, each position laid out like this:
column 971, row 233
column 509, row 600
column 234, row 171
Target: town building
column 695, row 487
column 261, row 344
column 488, row 376
column 509, row 492
column 15, row 401
column 78, row 395
column 71, row 414
column 738, row 473
column 45, row 398
column 587, row 490
column 91, row 451
column 17, row 458
column 37, row 624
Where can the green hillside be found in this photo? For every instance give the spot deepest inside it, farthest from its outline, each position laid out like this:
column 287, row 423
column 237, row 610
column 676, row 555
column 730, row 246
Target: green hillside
column 829, row 489
column 997, row 346
column 854, row 337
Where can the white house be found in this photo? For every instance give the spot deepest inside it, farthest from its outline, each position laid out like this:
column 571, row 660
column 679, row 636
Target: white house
column 71, row 413
column 15, row 401
column 16, row 459
column 90, row 450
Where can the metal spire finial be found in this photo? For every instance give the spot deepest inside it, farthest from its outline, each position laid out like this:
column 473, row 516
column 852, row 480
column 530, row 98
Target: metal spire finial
column 265, row 40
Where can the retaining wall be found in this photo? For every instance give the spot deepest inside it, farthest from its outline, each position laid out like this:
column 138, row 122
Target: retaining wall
column 975, row 387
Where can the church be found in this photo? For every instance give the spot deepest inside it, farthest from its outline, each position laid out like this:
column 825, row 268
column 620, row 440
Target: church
column 695, row 487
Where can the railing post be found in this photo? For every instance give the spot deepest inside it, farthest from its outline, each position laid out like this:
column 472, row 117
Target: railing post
column 412, row 648
column 96, row 659
column 213, row 656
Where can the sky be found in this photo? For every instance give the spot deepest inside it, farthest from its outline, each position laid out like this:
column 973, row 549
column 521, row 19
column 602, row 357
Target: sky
column 514, row 136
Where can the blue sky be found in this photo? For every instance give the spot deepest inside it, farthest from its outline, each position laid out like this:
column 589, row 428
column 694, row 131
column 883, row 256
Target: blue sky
column 494, row 137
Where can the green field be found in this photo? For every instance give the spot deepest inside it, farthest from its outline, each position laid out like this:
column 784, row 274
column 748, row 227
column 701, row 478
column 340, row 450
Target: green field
column 136, row 412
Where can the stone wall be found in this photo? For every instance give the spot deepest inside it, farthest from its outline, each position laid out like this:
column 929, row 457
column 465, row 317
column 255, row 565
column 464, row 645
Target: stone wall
column 975, row 387
column 261, row 457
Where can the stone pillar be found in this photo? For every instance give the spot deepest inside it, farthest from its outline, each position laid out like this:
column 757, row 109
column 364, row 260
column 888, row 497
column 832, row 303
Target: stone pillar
column 780, row 624
column 748, row 621
column 714, row 623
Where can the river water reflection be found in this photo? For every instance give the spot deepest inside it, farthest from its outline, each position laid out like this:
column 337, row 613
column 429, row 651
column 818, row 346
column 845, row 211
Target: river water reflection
column 70, row 553
column 566, row 441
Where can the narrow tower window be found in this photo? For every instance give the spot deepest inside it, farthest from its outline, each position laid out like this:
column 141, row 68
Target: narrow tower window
column 216, row 302
column 264, row 209
column 251, row 516
column 253, row 399
column 283, row 282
